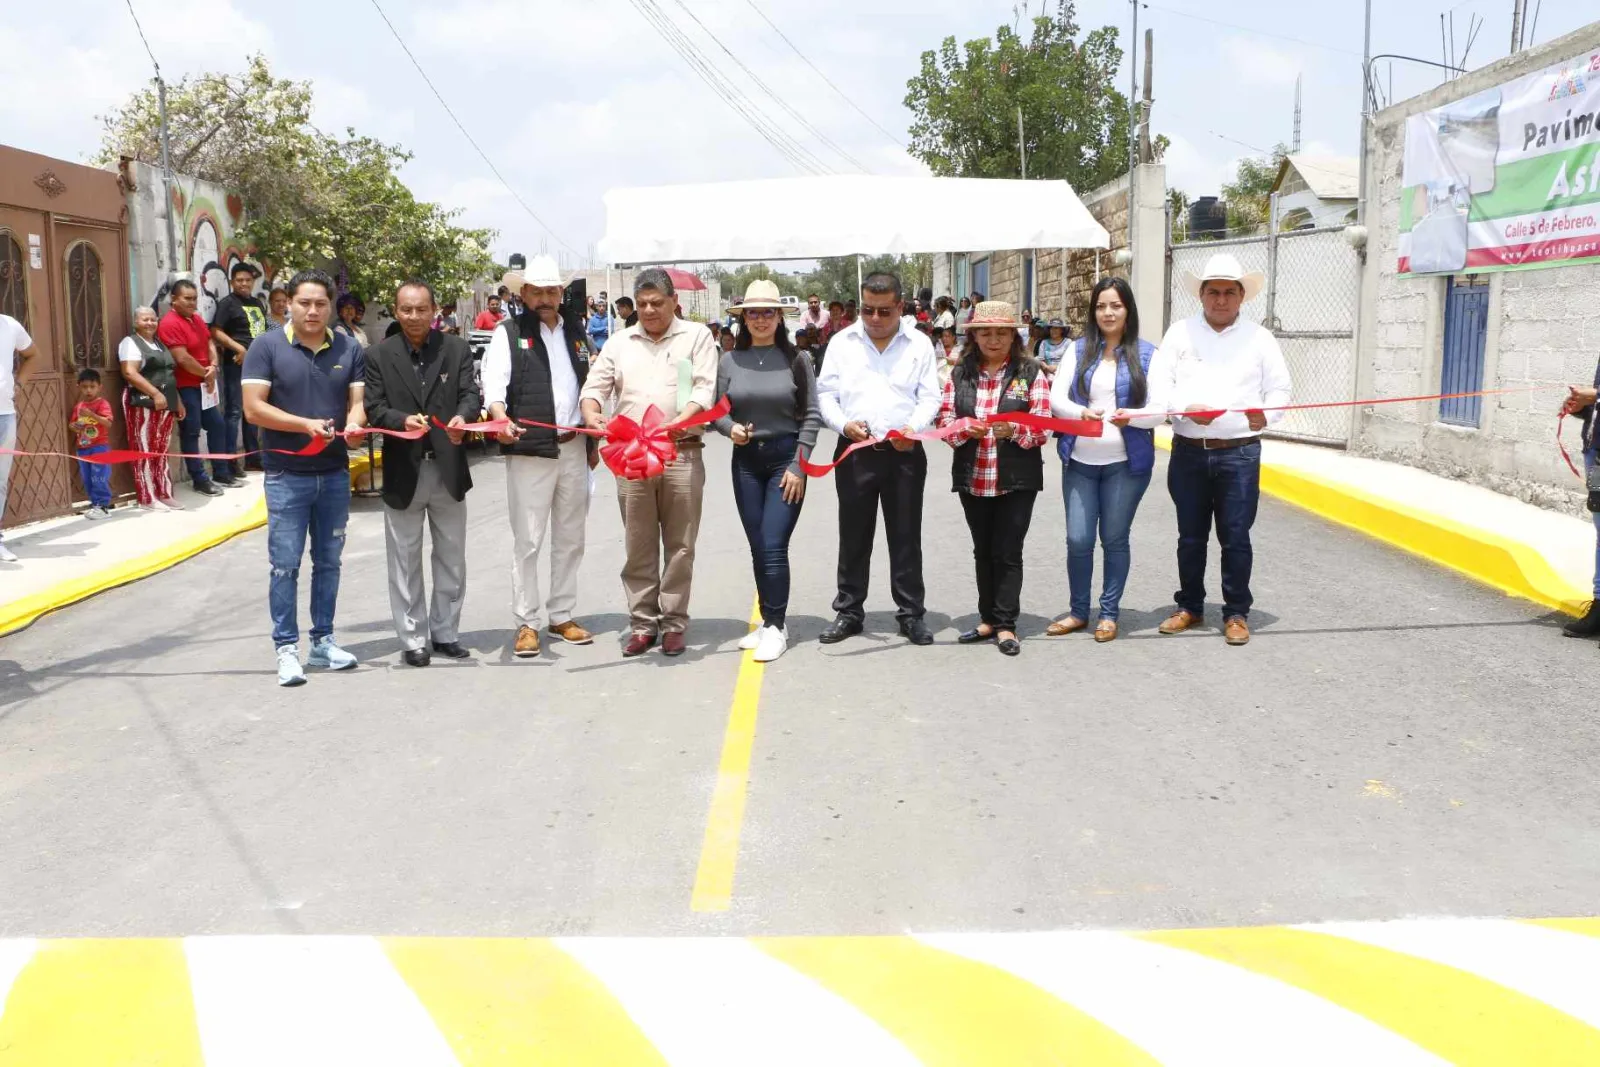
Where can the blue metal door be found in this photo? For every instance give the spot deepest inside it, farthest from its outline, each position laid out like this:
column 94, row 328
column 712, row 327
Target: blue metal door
column 1466, row 326
column 980, row 278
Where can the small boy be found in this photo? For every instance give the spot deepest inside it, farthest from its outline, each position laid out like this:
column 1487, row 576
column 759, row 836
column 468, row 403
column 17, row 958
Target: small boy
column 91, row 425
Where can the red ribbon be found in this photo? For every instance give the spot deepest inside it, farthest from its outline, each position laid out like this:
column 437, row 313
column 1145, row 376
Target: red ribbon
column 1079, row 427
column 1561, row 420
column 643, row 449
column 131, row 455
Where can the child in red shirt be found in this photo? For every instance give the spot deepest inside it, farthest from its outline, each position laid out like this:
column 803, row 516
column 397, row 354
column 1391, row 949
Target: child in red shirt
column 91, row 427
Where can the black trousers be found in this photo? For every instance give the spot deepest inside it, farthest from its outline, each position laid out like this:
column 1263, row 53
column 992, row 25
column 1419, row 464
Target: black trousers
column 999, row 526
column 870, row 479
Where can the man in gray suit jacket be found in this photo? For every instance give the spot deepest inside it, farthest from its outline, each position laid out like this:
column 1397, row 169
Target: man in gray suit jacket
column 412, row 378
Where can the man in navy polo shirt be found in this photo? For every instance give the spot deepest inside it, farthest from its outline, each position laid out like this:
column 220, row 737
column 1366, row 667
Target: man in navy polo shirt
column 299, row 382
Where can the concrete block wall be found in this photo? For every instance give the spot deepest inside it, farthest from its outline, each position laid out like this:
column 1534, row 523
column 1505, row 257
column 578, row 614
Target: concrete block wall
column 1543, row 331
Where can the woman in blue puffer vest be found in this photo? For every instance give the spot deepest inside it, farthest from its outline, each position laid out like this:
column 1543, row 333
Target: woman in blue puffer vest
column 1104, row 478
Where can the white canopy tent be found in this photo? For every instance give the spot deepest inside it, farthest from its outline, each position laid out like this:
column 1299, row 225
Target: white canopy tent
column 841, row 215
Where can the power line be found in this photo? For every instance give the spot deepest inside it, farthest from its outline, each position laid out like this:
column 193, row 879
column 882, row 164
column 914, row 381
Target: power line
column 801, row 119
column 801, row 157
column 1249, row 29
column 801, row 53
column 140, row 28
column 481, row 153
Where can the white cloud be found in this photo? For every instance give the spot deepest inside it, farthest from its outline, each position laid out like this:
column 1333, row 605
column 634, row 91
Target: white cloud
column 1251, row 62
column 1197, row 171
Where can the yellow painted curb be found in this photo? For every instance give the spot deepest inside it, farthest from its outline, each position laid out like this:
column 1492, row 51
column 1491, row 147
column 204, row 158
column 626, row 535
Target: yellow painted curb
column 24, row 611
column 1509, row 566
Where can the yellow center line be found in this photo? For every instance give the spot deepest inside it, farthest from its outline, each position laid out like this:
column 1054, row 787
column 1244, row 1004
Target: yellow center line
column 719, row 851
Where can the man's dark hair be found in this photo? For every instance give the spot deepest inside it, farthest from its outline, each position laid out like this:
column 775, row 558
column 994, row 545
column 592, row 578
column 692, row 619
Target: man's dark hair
column 976, row 296
column 654, row 278
column 881, row 282
column 310, row 277
column 621, row 300
column 242, row 267
column 835, row 304
column 184, row 283
column 813, row 296
column 450, row 307
column 415, row 283
column 89, row 374
column 503, row 290
column 493, row 296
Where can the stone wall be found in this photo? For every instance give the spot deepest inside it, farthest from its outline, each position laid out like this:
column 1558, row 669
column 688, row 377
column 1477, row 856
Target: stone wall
column 1543, row 330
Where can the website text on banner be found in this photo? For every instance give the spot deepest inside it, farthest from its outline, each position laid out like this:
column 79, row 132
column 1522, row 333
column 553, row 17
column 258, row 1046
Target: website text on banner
column 1507, row 178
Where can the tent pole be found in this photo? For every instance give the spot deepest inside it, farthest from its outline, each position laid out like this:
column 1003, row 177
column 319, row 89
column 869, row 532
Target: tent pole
column 858, row 275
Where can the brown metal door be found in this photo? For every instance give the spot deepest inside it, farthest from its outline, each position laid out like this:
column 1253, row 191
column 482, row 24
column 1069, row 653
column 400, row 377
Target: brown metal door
column 92, row 267
column 39, row 487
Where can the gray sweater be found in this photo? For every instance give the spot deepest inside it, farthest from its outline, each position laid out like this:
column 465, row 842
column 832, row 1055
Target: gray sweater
column 760, row 384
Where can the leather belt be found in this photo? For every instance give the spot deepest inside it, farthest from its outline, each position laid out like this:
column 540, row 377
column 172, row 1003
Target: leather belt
column 563, row 438
column 1207, row 444
column 690, row 442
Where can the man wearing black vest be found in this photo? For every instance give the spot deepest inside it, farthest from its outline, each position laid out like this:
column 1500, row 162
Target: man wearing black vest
column 534, row 368
column 413, row 377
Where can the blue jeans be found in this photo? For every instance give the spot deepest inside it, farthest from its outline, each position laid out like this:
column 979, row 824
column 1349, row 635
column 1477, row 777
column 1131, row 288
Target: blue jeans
column 194, row 420
column 233, row 408
column 768, row 522
column 8, row 439
column 1223, row 483
column 96, row 476
column 297, row 504
column 1106, row 497
column 1588, row 462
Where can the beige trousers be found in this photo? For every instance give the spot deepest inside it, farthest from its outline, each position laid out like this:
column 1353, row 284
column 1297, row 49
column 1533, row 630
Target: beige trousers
column 547, row 494
column 661, row 516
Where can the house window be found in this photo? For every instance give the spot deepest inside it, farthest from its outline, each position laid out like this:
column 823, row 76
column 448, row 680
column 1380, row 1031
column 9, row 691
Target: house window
column 86, row 306
column 13, row 279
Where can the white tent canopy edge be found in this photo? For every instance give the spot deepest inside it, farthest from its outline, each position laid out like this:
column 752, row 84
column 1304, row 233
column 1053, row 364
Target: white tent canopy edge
column 840, row 215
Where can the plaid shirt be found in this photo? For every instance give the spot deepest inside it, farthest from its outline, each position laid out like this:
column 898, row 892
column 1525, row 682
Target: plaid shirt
column 986, row 469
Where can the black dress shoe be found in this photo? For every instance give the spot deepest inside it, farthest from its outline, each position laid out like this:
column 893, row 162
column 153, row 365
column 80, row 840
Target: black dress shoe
column 1588, row 625
column 417, row 657
column 227, row 481
column 1009, row 647
column 840, row 629
column 974, row 636
column 207, row 489
column 451, row 649
column 916, row 631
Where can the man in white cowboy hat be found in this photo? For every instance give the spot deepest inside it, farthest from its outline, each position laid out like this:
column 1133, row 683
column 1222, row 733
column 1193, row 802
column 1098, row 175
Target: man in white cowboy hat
column 1209, row 362
column 669, row 363
column 534, row 369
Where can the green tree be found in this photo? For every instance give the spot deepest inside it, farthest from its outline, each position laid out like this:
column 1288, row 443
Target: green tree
column 835, row 276
column 308, row 196
column 736, row 281
column 1178, row 212
column 964, row 104
column 1249, row 195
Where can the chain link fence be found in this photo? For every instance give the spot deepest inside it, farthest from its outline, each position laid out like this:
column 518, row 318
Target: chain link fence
column 1310, row 302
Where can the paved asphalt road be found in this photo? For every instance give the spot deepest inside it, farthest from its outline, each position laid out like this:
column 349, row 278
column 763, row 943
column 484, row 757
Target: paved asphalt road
column 1396, row 741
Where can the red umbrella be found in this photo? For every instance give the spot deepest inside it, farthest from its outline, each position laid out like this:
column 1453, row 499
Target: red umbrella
column 682, row 279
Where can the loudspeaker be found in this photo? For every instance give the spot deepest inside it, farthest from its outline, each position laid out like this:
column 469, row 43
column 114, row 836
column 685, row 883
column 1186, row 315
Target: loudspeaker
column 575, row 301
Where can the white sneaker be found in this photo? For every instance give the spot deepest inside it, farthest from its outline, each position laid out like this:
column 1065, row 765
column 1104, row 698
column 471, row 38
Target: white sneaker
column 774, row 643
column 752, row 639
column 6, row 555
column 96, row 513
column 326, row 654
column 171, row 504
column 289, row 672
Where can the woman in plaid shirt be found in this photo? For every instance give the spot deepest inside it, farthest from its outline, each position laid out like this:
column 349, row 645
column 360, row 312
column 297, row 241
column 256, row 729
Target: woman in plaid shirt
column 998, row 468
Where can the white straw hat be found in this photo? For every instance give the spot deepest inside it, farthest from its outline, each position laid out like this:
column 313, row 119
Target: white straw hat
column 1225, row 268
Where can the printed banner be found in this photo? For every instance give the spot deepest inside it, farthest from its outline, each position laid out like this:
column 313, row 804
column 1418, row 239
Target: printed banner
column 1506, row 179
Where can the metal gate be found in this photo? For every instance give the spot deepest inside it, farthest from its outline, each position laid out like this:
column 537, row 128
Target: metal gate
column 1466, row 331
column 1310, row 302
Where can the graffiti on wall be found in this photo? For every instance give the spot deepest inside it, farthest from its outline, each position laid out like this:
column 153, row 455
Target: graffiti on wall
column 208, row 249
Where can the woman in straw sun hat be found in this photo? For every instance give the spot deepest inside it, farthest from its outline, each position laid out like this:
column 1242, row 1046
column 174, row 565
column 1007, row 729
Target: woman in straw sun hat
column 998, row 470
column 773, row 422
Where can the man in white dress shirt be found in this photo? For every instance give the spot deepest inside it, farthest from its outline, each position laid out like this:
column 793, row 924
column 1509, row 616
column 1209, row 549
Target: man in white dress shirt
column 879, row 375
column 1211, row 361
column 534, row 369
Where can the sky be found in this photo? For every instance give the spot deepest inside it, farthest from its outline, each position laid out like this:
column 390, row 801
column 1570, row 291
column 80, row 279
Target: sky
column 570, row 97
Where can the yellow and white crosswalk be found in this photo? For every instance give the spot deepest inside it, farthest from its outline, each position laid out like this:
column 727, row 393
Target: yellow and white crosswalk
column 1495, row 993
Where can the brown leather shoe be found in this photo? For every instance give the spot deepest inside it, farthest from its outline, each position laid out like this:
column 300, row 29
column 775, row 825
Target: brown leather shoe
column 527, row 645
column 673, row 644
column 571, row 633
column 1069, row 625
column 638, row 644
column 1180, row 621
column 1105, row 630
column 1237, row 631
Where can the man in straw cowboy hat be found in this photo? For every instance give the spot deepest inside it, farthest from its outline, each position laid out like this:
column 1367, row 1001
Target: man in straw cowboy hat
column 1217, row 360
column 669, row 363
column 880, row 375
column 534, row 369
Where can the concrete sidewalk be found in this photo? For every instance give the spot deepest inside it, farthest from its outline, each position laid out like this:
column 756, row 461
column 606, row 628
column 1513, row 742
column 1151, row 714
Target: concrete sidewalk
column 1523, row 550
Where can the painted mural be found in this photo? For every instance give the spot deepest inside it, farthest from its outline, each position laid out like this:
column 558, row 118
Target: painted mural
column 206, row 218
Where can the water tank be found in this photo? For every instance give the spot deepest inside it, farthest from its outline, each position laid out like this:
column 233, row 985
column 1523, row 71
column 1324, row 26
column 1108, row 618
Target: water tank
column 1208, row 218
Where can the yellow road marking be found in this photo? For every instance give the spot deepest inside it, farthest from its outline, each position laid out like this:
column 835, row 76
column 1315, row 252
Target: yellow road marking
column 102, row 1001
column 719, row 851
column 951, row 1011
column 518, row 1001
column 1467, row 1020
column 1586, row 927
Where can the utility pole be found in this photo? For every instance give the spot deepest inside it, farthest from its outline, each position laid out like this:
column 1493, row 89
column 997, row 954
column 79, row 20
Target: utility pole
column 1133, row 124
column 1022, row 144
column 1296, row 149
column 166, row 172
column 1366, row 113
column 1519, row 10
